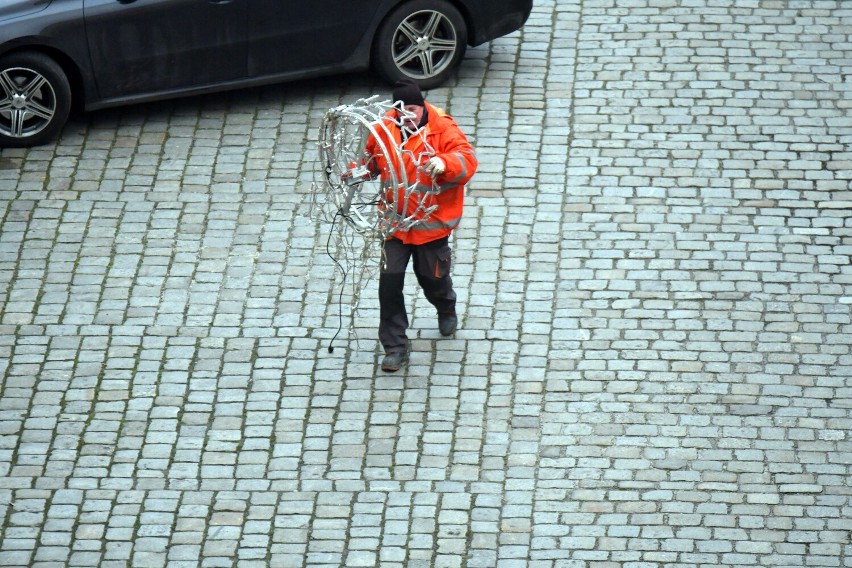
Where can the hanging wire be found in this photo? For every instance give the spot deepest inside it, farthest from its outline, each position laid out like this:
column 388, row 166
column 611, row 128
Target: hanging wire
column 362, row 206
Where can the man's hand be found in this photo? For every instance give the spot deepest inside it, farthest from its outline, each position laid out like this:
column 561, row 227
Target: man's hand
column 356, row 174
column 434, row 167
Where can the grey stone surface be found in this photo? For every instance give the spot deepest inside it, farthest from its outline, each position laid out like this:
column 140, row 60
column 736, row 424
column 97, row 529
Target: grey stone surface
column 654, row 361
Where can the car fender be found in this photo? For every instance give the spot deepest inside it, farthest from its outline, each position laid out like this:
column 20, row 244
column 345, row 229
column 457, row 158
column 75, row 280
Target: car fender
column 61, row 36
column 11, row 9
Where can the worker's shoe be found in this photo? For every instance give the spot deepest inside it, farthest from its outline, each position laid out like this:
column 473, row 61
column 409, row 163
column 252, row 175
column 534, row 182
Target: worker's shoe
column 394, row 361
column 447, row 324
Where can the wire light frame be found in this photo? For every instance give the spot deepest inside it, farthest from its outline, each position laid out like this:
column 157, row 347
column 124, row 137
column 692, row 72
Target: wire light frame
column 361, row 205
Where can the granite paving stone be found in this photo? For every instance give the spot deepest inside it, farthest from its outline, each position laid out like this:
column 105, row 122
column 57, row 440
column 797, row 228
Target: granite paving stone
column 653, row 367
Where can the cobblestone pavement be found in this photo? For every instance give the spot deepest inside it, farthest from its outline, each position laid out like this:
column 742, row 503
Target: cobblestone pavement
column 653, row 367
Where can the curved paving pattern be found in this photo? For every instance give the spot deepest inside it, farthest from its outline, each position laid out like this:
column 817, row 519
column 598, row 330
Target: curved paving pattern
column 653, row 368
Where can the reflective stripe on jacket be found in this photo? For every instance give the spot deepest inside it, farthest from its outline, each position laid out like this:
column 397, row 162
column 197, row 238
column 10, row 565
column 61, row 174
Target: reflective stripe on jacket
column 446, row 190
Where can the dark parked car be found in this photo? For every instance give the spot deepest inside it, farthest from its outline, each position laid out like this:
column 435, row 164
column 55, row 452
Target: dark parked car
column 88, row 54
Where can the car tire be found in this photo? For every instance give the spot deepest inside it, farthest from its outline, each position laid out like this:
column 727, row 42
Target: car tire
column 35, row 99
column 424, row 40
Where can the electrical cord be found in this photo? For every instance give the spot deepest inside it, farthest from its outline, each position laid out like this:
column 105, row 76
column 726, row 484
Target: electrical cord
column 343, row 270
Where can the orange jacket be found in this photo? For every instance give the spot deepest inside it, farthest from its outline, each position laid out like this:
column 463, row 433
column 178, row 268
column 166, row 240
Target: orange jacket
column 447, row 190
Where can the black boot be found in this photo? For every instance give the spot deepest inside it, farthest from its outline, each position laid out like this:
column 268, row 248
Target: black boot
column 447, row 324
column 440, row 293
column 394, row 361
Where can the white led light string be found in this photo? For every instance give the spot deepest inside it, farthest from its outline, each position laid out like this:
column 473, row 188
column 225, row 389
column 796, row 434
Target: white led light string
column 361, row 206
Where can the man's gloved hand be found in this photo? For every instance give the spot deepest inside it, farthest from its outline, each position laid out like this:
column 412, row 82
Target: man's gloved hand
column 356, row 174
column 434, row 167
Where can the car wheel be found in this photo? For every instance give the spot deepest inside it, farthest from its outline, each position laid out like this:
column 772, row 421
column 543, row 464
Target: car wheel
column 35, row 99
column 424, row 40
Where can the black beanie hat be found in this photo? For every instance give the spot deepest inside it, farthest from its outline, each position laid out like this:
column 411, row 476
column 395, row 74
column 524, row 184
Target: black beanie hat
column 407, row 91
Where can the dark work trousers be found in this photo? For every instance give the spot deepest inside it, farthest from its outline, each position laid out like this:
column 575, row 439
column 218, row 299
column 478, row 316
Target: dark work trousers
column 431, row 266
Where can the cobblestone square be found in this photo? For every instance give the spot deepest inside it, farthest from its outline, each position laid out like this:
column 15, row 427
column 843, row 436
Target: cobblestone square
column 654, row 362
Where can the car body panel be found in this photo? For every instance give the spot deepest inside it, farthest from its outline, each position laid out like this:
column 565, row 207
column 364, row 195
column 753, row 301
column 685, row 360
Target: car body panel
column 14, row 8
column 164, row 45
column 290, row 36
column 57, row 28
column 127, row 51
column 486, row 23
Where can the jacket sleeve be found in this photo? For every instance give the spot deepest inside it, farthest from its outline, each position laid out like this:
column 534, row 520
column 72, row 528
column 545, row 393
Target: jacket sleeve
column 458, row 156
column 370, row 155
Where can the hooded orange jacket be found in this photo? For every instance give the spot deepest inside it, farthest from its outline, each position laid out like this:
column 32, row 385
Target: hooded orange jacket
column 446, row 191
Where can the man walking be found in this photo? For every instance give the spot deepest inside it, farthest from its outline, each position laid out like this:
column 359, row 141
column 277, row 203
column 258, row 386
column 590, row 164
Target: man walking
column 437, row 154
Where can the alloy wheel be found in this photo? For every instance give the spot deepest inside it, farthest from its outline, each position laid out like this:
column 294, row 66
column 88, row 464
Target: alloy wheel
column 424, row 44
column 28, row 103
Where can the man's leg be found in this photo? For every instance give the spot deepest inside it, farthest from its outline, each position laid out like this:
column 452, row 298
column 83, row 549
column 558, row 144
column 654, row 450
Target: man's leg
column 393, row 319
column 432, row 263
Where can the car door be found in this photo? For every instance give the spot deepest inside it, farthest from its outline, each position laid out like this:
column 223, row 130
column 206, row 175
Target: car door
column 288, row 36
column 12, row 8
column 148, row 46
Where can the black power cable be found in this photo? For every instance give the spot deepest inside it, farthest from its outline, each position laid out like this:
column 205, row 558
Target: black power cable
column 343, row 270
